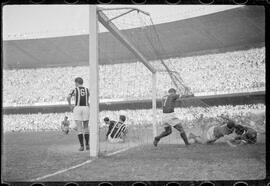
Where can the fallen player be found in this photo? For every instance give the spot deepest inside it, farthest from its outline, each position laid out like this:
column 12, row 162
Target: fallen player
column 117, row 131
column 211, row 132
column 245, row 135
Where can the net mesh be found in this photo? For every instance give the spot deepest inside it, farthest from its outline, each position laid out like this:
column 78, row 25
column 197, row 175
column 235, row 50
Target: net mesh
column 140, row 30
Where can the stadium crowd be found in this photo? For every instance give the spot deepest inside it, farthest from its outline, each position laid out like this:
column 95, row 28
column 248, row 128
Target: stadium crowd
column 230, row 72
column 245, row 114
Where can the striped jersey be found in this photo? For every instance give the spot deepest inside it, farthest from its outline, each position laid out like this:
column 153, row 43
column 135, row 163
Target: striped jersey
column 81, row 95
column 118, row 130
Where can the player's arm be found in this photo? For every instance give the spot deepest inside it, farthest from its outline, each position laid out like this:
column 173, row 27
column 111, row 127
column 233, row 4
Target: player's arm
column 69, row 99
column 88, row 95
column 211, row 141
column 229, row 142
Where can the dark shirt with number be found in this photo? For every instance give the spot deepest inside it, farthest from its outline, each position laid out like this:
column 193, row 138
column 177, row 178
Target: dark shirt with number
column 168, row 103
column 81, row 95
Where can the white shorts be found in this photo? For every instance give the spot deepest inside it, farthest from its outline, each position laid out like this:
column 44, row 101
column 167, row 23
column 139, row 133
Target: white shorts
column 115, row 140
column 210, row 133
column 81, row 113
column 169, row 119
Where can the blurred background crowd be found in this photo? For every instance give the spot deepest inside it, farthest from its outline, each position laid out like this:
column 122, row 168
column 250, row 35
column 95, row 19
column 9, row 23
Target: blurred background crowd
column 238, row 71
column 242, row 114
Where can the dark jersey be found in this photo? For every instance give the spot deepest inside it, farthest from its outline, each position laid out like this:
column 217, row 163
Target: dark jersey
column 118, row 130
column 112, row 123
column 249, row 135
column 81, row 95
column 168, row 103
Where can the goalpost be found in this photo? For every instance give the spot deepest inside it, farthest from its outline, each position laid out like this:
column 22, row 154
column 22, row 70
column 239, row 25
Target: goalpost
column 95, row 16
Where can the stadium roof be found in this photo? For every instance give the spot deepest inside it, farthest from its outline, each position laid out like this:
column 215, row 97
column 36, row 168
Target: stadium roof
column 236, row 27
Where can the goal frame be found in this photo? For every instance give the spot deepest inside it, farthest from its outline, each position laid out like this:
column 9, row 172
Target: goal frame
column 96, row 15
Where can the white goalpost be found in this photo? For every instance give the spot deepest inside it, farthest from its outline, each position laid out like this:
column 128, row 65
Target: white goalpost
column 93, row 81
column 95, row 16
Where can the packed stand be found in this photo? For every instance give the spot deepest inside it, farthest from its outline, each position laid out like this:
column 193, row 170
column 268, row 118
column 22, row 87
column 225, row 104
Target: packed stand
column 207, row 74
column 244, row 114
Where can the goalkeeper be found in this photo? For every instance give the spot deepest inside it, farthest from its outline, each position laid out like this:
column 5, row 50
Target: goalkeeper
column 245, row 135
column 211, row 132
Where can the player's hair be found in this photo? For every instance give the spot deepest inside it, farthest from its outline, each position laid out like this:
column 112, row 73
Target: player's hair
column 106, row 119
column 172, row 90
column 230, row 124
column 79, row 80
column 66, row 117
column 122, row 118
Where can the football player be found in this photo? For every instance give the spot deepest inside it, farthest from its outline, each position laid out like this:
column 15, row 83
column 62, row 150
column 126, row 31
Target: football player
column 80, row 111
column 119, row 131
column 169, row 119
column 245, row 135
column 211, row 132
column 111, row 123
column 65, row 125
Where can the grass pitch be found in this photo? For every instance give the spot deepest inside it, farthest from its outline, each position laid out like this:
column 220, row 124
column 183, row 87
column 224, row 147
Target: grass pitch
column 29, row 155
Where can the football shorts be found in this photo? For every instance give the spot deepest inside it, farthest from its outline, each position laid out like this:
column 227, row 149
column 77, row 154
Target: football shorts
column 81, row 113
column 210, row 133
column 169, row 119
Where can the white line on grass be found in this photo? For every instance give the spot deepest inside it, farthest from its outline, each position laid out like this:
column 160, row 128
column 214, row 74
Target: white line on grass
column 122, row 150
column 62, row 171
column 79, row 165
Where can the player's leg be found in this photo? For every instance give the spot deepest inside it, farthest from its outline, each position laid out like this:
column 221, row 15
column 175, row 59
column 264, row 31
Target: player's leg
column 85, row 117
column 86, row 134
column 80, row 134
column 77, row 115
column 167, row 131
column 183, row 135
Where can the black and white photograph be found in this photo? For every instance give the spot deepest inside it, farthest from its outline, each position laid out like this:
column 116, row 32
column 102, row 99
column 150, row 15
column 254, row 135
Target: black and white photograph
column 133, row 93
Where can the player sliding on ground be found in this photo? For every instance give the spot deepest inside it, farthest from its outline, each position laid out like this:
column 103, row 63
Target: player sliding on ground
column 80, row 111
column 211, row 132
column 117, row 130
column 169, row 119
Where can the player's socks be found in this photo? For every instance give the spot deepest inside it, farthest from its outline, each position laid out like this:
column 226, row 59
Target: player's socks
column 156, row 140
column 86, row 137
column 80, row 136
column 184, row 137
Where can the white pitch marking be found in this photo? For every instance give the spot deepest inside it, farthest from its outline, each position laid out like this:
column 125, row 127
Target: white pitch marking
column 119, row 151
column 62, row 171
column 79, row 165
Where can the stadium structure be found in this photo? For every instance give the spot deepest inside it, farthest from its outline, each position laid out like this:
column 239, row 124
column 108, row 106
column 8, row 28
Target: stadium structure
column 203, row 35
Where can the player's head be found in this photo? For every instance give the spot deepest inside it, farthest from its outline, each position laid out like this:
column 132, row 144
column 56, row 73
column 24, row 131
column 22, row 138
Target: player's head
column 78, row 81
column 230, row 125
column 106, row 120
column 66, row 117
column 122, row 118
column 172, row 91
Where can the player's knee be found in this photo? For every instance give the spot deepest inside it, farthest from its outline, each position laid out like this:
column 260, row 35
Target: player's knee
column 86, row 131
column 179, row 128
column 168, row 130
column 79, row 130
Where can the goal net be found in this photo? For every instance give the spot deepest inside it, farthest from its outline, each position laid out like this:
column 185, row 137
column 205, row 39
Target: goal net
column 125, row 77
